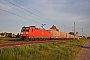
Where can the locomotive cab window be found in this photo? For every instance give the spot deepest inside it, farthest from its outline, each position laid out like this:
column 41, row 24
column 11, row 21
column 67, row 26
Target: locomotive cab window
column 25, row 29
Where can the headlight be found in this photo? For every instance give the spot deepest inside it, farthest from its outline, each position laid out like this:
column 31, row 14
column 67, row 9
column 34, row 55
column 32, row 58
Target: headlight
column 26, row 32
column 21, row 32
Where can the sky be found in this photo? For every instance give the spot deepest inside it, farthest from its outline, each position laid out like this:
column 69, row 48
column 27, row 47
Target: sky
column 14, row 14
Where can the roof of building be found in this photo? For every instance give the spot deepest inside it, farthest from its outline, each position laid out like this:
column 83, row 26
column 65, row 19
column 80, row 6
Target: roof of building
column 54, row 27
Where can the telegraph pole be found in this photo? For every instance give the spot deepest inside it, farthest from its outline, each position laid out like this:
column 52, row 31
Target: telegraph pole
column 74, row 30
column 82, row 32
column 86, row 34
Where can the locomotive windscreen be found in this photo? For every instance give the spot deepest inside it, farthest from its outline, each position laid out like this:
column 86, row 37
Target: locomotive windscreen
column 25, row 29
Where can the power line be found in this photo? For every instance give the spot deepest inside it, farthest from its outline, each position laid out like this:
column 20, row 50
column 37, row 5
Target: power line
column 31, row 8
column 45, row 18
column 35, row 11
column 18, row 15
column 24, row 9
column 13, row 8
column 14, row 13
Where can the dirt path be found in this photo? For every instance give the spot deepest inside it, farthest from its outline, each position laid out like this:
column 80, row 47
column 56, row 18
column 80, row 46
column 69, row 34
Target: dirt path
column 84, row 54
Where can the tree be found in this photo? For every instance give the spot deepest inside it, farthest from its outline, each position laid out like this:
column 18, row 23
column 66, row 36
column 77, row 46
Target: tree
column 72, row 33
column 88, row 37
column 10, row 35
column 2, row 34
column 18, row 36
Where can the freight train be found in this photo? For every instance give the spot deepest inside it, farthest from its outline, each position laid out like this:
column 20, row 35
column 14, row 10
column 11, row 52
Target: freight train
column 33, row 33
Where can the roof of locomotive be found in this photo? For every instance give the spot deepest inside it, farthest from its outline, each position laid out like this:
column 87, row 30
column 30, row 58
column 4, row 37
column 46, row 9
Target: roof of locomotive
column 35, row 28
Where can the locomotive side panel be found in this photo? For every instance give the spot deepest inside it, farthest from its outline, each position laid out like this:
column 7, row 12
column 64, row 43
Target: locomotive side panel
column 39, row 33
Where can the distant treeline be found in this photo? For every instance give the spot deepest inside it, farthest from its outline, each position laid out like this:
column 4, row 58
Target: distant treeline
column 10, row 35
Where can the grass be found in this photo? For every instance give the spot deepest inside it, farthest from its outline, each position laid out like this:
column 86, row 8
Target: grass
column 66, row 50
column 9, row 39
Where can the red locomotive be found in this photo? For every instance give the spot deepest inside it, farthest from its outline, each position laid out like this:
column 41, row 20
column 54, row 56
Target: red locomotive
column 32, row 32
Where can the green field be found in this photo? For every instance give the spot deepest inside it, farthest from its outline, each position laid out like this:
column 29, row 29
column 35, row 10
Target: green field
column 66, row 50
column 9, row 39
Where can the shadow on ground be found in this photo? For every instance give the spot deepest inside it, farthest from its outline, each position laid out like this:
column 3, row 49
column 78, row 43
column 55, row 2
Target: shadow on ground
column 10, row 39
column 88, row 47
column 15, row 40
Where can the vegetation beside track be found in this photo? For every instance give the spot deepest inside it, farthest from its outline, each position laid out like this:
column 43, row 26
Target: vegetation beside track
column 65, row 50
column 9, row 39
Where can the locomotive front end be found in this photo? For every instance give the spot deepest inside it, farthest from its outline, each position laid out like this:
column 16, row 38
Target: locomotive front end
column 24, row 34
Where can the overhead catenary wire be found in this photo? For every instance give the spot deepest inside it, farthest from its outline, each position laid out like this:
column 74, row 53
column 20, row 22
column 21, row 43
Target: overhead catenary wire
column 28, row 7
column 18, row 15
column 14, row 9
column 37, row 13
column 25, row 10
column 28, row 11
column 33, row 9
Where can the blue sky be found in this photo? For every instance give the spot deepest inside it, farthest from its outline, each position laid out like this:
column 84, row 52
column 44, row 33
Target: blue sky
column 62, row 13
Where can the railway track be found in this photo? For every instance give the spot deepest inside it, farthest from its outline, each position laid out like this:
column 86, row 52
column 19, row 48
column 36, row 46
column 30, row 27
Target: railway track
column 21, row 43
